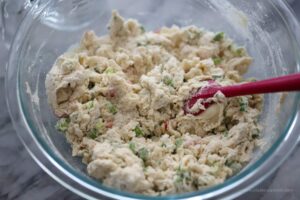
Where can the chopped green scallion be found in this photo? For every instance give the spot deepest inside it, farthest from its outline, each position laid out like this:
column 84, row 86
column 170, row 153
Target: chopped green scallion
column 226, row 133
column 243, row 104
column 239, row 52
column 93, row 134
column 142, row 29
column 217, row 60
column 109, row 70
column 132, row 147
column 138, row 131
column 182, row 174
column 112, row 108
column 90, row 104
column 99, row 125
column 163, row 145
column 178, row 142
column 219, row 37
column 168, row 81
column 63, row 124
column 143, row 153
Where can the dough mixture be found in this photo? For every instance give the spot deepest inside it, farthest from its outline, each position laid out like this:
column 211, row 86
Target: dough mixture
column 120, row 102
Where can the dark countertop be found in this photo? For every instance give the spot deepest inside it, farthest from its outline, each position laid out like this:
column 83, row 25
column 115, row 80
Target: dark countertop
column 21, row 178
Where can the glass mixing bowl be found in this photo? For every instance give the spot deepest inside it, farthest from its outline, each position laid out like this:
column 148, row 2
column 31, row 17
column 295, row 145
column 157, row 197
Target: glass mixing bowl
column 266, row 28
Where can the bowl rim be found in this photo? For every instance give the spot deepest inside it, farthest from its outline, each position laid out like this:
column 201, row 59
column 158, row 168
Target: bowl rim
column 88, row 188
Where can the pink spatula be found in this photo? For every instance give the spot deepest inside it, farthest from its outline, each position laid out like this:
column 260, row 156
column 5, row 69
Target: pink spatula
column 279, row 84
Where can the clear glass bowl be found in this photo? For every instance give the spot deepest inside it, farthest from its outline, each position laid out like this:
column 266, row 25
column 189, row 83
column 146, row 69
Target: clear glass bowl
column 266, row 28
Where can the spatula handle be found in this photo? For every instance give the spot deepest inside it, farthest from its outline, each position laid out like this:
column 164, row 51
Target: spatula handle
column 279, row 84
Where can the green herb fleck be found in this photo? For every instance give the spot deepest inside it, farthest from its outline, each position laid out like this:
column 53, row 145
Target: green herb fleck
column 181, row 175
column 239, row 52
column 132, row 147
column 243, row 104
column 178, row 142
column 234, row 165
column 215, row 168
column 213, row 163
column 99, row 125
column 217, row 60
column 163, row 145
column 112, row 108
column 93, row 134
column 63, row 124
column 193, row 35
column 226, row 133
column 143, row 153
column 168, row 81
column 228, row 162
column 138, row 131
column 142, row 29
column 109, row 70
column 219, row 37
column 145, row 169
column 89, row 105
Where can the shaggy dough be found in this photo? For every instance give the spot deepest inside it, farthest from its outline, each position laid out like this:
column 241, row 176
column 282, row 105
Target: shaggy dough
column 120, row 97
